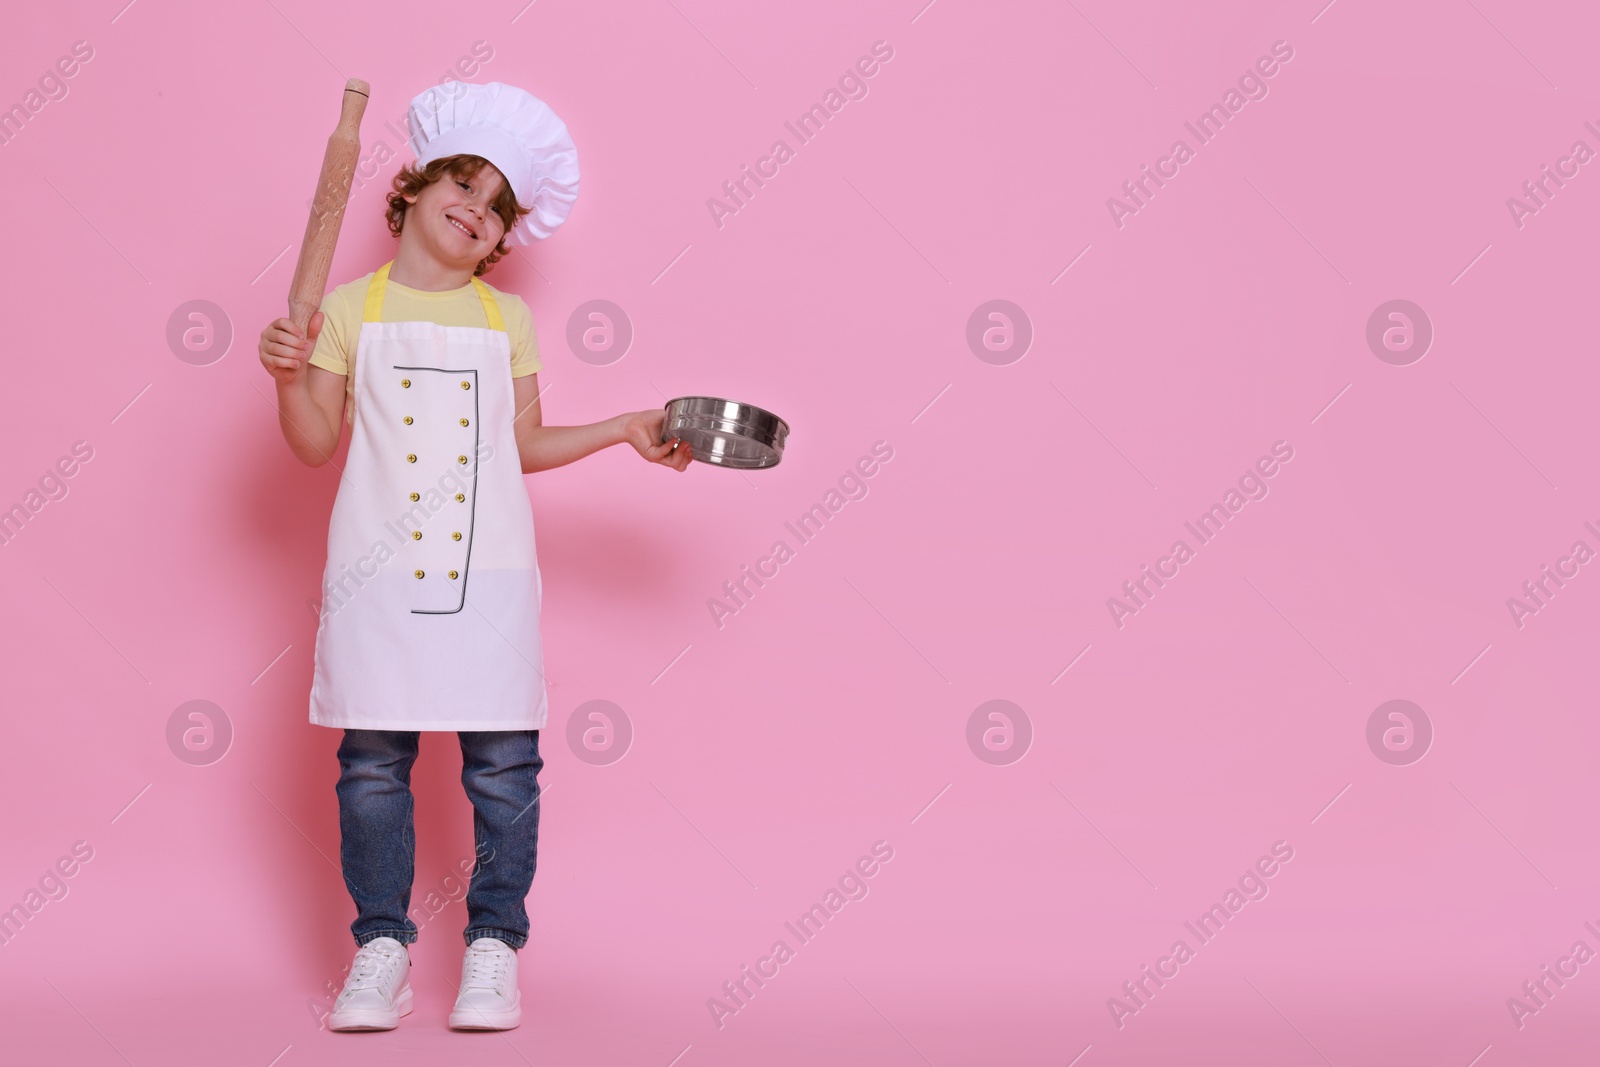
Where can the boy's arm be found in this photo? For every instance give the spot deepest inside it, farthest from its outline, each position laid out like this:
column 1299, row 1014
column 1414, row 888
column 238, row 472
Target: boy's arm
column 311, row 414
column 542, row 447
column 310, row 398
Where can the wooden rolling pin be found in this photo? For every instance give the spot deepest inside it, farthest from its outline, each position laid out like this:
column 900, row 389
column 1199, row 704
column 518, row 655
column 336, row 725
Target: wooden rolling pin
column 327, row 209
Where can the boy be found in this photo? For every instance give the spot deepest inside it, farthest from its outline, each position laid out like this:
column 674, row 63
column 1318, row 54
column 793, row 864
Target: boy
column 432, row 588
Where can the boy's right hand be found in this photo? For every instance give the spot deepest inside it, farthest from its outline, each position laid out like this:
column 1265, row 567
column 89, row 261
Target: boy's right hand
column 285, row 348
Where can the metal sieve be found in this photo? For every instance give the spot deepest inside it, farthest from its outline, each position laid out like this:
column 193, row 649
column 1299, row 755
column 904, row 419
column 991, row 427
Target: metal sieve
column 726, row 433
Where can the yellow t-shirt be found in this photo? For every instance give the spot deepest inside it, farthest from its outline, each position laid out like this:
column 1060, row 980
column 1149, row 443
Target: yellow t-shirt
column 342, row 309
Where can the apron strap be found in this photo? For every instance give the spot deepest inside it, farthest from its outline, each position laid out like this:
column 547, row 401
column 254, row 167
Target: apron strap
column 373, row 311
column 491, row 310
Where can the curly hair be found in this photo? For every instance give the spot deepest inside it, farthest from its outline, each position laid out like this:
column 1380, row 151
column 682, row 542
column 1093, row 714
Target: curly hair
column 411, row 180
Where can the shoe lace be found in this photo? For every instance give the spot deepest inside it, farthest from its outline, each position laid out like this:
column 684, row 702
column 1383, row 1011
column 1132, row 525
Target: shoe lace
column 486, row 969
column 371, row 968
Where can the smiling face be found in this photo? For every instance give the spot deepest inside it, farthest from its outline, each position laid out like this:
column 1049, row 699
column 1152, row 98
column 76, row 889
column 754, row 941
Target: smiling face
column 457, row 216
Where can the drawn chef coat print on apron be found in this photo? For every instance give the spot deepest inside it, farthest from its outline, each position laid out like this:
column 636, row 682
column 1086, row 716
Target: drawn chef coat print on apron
column 432, row 592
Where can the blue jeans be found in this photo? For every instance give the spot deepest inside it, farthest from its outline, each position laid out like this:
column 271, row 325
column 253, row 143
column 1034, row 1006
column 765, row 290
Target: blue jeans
column 377, row 846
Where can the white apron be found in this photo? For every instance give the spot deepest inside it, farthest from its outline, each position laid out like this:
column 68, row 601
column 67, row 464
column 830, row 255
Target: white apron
column 431, row 595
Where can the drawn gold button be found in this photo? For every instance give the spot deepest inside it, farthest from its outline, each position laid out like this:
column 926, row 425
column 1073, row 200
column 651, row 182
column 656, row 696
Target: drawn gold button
column 460, row 499
column 466, row 385
column 407, row 420
column 405, row 383
column 411, row 457
column 456, row 536
column 453, row 575
column 463, row 422
column 461, row 460
column 415, row 496
column 419, row 574
column 416, row 535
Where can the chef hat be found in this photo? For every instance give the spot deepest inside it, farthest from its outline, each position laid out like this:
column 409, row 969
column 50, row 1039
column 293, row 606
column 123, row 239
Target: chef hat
column 514, row 130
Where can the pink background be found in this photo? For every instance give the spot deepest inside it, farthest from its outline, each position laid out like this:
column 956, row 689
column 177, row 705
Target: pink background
column 1228, row 314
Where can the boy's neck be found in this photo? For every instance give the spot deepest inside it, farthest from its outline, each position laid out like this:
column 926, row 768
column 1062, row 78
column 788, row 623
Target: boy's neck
column 414, row 268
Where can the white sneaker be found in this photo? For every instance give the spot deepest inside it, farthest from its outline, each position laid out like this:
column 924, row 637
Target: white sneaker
column 489, row 998
column 378, row 989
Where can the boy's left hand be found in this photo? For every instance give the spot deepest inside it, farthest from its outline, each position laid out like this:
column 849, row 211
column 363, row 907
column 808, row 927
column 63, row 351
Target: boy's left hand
column 642, row 430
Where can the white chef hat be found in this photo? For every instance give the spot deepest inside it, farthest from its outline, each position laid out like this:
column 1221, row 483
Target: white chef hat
column 514, row 130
